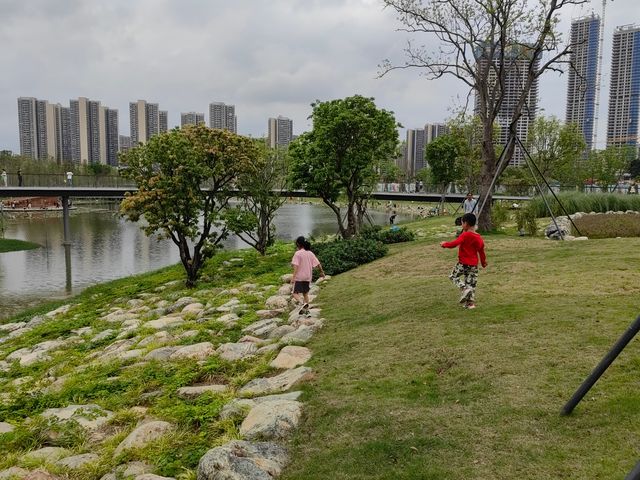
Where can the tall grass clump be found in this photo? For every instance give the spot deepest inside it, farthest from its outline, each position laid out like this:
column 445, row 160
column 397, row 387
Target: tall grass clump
column 585, row 202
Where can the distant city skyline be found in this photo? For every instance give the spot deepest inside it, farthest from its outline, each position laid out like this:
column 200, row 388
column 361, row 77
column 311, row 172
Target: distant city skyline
column 116, row 52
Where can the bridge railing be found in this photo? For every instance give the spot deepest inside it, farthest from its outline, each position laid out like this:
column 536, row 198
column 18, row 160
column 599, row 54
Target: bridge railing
column 60, row 180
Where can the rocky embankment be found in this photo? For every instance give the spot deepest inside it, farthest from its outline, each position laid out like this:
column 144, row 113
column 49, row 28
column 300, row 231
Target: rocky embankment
column 156, row 385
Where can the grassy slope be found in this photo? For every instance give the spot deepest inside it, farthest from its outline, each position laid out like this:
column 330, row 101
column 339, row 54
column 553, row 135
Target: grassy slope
column 10, row 245
column 411, row 386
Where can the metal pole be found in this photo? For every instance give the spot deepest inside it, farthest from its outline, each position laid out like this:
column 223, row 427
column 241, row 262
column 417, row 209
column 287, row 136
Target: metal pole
column 608, row 359
column 65, row 221
column 634, row 474
column 67, row 269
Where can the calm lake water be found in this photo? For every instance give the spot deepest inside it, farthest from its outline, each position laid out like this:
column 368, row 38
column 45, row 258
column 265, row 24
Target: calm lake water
column 106, row 247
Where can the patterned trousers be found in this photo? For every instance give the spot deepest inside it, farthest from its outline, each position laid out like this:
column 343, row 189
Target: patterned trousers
column 464, row 276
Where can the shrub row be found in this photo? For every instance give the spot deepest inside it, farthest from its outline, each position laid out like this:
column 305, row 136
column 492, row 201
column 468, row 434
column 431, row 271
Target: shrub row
column 388, row 235
column 341, row 255
column 609, row 226
column 586, row 202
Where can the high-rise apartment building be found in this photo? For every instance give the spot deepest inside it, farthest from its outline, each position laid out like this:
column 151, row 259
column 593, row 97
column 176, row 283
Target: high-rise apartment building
column 163, row 125
column 280, row 131
column 416, row 141
column 124, row 143
column 434, row 130
column 191, row 118
column 28, row 127
column 145, row 121
column 624, row 93
column 58, row 132
column 516, row 65
column 109, row 138
column 582, row 84
column 85, row 130
column 223, row 116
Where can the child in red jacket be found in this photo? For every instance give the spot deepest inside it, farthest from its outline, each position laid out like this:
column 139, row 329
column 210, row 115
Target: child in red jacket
column 465, row 274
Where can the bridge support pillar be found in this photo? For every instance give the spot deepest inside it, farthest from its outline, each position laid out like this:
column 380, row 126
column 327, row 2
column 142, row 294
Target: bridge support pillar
column 65, row 221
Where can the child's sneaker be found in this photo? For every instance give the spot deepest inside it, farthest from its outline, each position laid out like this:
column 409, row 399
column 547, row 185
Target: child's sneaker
column 466, row 293
column 304, row 310
column 470, row 306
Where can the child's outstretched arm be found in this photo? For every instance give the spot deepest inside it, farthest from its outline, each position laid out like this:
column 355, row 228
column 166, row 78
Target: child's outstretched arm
column 453, row 244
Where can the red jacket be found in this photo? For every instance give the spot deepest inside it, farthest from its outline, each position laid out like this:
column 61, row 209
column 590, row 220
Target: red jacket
column 471, row 245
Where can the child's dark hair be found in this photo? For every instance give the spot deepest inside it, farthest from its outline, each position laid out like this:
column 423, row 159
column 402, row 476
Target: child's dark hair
column 303, row 243
column 469, row 219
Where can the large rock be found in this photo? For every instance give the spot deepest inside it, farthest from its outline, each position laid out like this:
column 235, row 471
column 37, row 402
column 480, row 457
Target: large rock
column 271, row 420
column 240, row 460
column 196, row 308
column 285, row 289
column 231, row 306
column 13, row 472
column 162, row 353
column 197, row 351
column 90, row 416
column 291, row 357
column 164, row 323
column 236, row 351
column 286, row 278
column 35, row 354
column 143, row 435
column 229, row 319
column 277, row 302
column 271, row 313
column 195, row 392
column 103, row 335
column 134, row 469
column 563, row 229
column 10, row 327
column 46, row 454
column 6, row 428
column 301, row 335
column 119, row 316
column 58, row 311
column 279, row 383
column 181, row 303
column 281, row 331
column 237, row 406
column 78, row 461
column 40, row 474
column 262, row 328
column 160, row 338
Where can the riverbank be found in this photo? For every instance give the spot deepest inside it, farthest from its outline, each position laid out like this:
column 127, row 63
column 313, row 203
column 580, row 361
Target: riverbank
column 11, row 245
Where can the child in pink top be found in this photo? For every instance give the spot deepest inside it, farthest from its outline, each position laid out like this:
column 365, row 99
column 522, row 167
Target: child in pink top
column 303, row 262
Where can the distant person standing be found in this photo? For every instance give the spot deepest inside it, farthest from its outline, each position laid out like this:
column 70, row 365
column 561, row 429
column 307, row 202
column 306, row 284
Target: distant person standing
column 470, row 205
column 392, row 218
column 69, row 178
column 4, row 177
column 19, row 177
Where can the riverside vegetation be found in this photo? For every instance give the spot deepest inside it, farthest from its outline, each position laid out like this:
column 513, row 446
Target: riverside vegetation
column 405, row 385
column 11, row 245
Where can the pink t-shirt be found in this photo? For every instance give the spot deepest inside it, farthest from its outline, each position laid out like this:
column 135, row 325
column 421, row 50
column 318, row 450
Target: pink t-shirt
column 305, row 260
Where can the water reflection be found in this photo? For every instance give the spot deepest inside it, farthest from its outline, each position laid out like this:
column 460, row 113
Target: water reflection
column 105, row 247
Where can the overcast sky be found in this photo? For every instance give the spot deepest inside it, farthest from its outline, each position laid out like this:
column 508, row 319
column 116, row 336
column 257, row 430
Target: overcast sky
column 268, row 57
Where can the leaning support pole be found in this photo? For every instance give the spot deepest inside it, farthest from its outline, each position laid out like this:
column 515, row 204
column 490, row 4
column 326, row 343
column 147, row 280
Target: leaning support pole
column 608, row 359
column 65, row 221
column 494, row 179
column 634, row 474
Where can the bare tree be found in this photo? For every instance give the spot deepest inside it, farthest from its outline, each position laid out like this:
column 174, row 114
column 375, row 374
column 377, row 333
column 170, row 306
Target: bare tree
column 481, row 43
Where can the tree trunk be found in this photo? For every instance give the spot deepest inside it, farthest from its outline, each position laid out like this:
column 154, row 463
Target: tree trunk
column 338, row 214
column 352, row 227
column 489, row 166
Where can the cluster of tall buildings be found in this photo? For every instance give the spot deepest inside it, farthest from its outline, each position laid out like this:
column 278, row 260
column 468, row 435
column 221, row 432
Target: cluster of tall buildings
column 86, row 132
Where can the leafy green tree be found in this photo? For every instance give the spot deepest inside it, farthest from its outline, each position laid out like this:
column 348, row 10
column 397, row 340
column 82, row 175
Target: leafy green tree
column 442, row 156
column 185, row 181
column 389, row 171
column 557, row 149
column 341, row 155
column 606, row 166
column 469, row 130
column 634, row 168
column 480, row 44
column 260, row 185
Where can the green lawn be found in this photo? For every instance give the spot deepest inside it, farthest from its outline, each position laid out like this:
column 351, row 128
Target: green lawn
column 10, row 245
column 411, row 386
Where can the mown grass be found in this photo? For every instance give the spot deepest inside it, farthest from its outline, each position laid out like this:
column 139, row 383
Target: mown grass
column 609, row 226
column 411, row 386
column 11, row 245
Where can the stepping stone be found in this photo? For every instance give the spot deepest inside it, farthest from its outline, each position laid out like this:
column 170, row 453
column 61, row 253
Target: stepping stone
column 161, row 337
column 13, row 472
column 281, row 331
column 237, row 406
column 130, row 354
column 195, row 392
column 181, row 303
column 108, row 333
column 230, row 319
column 198, row 351
column 46, row 454
column 241, row 460
column 163, row 323
column 262, row 327
column 236, row 351
column 268, row 349
column 58, row 311
column 143, row 435
column 6, row 428
column 78, row 461
column 271, row 420
column 302, row 335
column 10, row 327
column 279, row 383
column 90, row 416
column 162, row 353
column 286, row 278
column 285, row 290
column 291, row 357
column 271, row 313
column 193, row 308
column 277, row 302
